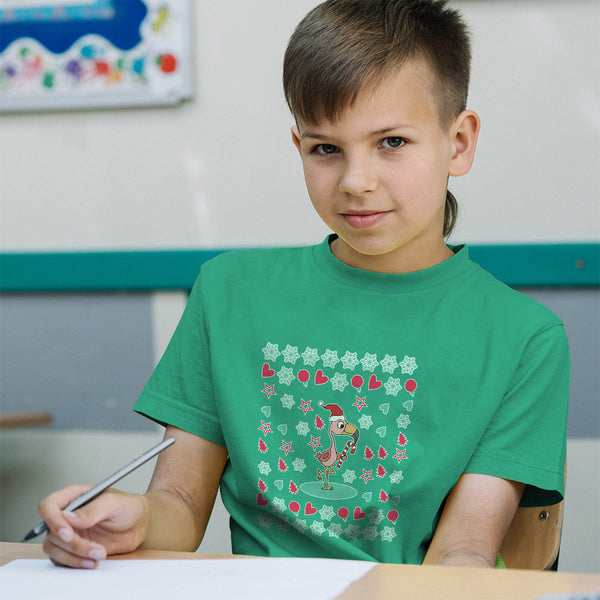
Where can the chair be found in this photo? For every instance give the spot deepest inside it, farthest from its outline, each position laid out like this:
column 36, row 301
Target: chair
column 533, row 538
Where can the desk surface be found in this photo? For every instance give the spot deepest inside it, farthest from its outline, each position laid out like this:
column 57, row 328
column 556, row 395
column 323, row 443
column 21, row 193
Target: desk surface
column 410, row 582
column 24, row 419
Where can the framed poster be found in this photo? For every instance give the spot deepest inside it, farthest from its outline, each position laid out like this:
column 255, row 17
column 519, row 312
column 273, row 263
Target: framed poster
column 66, row 54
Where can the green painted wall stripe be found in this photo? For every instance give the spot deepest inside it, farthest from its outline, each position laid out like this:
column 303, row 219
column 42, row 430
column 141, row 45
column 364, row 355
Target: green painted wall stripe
column 530, row 265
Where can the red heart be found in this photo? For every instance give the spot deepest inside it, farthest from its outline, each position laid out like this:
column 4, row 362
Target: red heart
column 309, row 509
column 267, row 371
column 261, row 500
column 359, row 514
column 374, row 383
column 320, row 379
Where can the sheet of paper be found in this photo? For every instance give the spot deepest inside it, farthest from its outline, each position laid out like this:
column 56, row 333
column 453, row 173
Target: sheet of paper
column 244, row 578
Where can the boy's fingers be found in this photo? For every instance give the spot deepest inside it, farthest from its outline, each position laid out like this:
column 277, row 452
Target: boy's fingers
column 51, row 507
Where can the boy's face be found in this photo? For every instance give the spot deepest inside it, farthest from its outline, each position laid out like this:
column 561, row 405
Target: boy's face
column 377, row 175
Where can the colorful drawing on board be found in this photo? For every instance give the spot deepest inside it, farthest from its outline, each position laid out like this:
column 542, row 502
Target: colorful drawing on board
column 94, row 53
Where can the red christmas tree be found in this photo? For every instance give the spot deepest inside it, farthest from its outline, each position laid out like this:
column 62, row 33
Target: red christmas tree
column 382, row 452
column 262, row 446
column 293, row 488
column 381, row 471
column 319, row 422
column 282, row 465
column 383, row 496
column 262, row 486
column 402, row 440
column 368, row 453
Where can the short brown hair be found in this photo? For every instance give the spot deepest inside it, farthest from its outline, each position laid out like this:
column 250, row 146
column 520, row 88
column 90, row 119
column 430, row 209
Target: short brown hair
column 341, row 45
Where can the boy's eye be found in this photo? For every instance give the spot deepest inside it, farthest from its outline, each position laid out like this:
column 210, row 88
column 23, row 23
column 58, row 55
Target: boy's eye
column 325, row 149
column 393, row 142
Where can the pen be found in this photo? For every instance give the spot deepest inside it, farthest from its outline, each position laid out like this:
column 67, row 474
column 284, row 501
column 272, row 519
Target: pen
column 103, row 485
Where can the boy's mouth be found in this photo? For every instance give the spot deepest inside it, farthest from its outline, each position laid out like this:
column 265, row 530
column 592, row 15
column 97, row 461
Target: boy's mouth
column 364, row 219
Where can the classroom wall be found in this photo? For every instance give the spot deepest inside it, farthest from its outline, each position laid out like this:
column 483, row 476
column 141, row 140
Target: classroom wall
column 220, row 171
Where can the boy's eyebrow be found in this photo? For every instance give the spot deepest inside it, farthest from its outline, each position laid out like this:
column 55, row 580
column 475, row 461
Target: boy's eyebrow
column 317, row 135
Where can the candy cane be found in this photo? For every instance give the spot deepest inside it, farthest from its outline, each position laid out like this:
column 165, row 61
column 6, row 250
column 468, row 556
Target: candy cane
column 345, row 453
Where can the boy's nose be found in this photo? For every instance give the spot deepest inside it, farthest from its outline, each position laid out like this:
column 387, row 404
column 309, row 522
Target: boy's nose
column 358, row 178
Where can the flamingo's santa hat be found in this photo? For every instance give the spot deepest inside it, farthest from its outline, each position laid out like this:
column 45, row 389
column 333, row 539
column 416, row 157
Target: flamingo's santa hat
column 336, row 412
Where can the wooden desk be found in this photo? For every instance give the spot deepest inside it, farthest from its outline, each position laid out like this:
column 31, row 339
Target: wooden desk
column 405, row 582
column 24, row 419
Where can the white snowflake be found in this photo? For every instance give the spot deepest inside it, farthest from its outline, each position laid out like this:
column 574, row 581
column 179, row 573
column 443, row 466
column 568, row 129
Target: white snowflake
column 335, row 530
column 300, row 525
column 365, row 421
column 370, row 533
column 282, row 525
column 265, row 520
column 388, row 534
column 310, row 356
column 299, row 465
column 375, row 516
column 327, row 513
column 349, row 360
column 330, row 358
column 286, row 375
column 264, row 468
column 369, row 362
column 278, row 504
column 302, row 428
column 392, row 386
column 317, row 528
column 349, row 476
column 352, row 532
column 271, row 351
column 396, row 476
column 290, row 354
column 339, row 382
column 409, row 364
column 287, row 401
column 403, row 421
column 389, row 364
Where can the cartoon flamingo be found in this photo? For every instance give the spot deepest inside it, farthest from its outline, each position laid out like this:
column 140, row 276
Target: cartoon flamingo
column 337, row 426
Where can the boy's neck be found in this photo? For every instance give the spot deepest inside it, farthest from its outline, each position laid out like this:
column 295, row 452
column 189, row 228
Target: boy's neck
column 403, row 260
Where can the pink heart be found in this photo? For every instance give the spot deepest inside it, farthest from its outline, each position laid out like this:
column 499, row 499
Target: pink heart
column 374, row 383
column 309, row 509
column 267, row 371
column 261, row 500
column 359, row 514
column 294, row 506
column 320, row 379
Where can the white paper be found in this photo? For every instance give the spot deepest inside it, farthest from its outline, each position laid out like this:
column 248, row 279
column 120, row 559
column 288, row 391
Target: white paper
column 239, row 579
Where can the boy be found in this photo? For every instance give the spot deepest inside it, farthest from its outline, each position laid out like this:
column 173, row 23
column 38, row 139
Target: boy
column 377, row 396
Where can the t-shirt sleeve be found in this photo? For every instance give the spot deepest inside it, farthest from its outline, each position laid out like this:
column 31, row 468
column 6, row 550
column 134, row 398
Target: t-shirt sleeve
column 180, row 390
column 526, row 439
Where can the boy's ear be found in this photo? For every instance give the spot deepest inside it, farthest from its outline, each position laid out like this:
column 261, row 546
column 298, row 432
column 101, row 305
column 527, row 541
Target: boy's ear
column 296, row 138
column 464, row 131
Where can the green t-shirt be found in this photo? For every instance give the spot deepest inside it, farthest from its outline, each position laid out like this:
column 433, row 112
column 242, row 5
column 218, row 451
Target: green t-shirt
column 351, row 402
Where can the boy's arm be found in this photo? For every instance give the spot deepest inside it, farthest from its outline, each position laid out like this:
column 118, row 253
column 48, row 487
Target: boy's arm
column 475, row 519
column 172, row 515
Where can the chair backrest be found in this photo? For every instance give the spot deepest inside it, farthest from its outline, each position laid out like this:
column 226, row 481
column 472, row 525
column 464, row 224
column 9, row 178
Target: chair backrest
column 533, row 538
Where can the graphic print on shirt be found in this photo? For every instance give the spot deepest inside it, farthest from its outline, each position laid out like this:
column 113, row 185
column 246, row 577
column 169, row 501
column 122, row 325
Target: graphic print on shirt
column 332, row 440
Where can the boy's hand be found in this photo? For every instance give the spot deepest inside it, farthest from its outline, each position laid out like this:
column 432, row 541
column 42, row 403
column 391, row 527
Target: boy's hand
column 113, row 523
